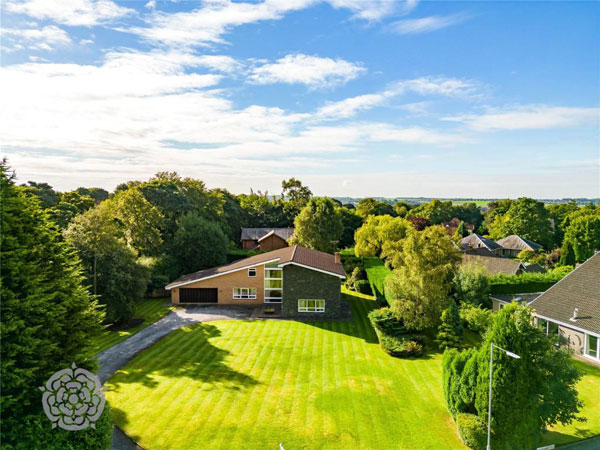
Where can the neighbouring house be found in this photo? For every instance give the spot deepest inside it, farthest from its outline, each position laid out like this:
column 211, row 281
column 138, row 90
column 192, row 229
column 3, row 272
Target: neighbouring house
column 571, row 310
column 512, row 245
column 499, row 301
column 265, row 238
column 481, row 251
column 494, row 265
column 474, row 241
column 534, row 268
column 452, row 225
column 305, row 282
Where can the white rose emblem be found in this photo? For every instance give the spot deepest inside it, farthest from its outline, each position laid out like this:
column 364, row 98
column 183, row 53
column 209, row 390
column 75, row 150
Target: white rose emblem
column 72, row 399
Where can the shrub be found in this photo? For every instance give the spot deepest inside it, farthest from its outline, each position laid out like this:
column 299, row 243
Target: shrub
column 527, row 282
column 363, row 287
column 451, row 329
column 352, row 262
column 453, row 369
column 476, row 319
column 472, row 430
column 401, row 346
column 384, row 321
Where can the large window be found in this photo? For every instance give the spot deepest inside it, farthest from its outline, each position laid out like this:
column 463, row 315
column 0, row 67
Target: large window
column 273, row 283
column 311, row 305
column 244, row 293
column 591, row 346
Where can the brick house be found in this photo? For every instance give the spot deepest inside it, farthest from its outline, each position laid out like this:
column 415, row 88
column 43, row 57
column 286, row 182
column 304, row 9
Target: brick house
column 265, row 238
column 305, row 282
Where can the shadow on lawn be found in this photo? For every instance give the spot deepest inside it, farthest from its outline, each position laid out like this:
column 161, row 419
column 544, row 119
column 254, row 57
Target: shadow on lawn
column 199, row 360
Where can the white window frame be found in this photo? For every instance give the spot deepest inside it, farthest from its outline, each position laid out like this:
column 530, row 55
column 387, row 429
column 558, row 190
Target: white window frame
column 585, row 347
column 252, row 269
column 244, row 293
column 268, row 277
column 311, row 309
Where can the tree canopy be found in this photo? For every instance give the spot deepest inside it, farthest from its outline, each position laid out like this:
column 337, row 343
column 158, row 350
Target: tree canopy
column 370, row 207
column 318, row 226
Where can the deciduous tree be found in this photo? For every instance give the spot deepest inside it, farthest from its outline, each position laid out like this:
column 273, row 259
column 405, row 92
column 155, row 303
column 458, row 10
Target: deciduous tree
column 318, row 226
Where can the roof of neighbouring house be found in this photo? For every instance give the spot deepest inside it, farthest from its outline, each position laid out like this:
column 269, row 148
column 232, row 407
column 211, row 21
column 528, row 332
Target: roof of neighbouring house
column 534, row 268
column 580, row 289
column 480, row 251
column 516, row 242
column 519, row 298
column 255, row 234
column 494, row 265
column 305, row 257
column 473, row 239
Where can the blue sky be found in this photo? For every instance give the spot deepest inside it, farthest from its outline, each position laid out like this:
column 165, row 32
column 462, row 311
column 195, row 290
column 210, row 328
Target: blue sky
column 356, row 98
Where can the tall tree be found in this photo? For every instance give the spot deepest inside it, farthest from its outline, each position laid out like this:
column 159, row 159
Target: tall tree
column 318, row 226
column 435, row 211
column 47, row 196
column 450, row 330
column 296, row 194
column 558, row 212
column 370, row 207
column 583, row 236
column 471, row 285
column 350, row 222
column 420, row 289
column 48, row 316
column 380, row 233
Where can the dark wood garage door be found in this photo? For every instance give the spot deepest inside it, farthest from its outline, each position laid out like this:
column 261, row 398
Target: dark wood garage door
column 198, row 295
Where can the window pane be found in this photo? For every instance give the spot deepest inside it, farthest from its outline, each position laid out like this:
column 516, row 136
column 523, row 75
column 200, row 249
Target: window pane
column 273, row 284
column 542, row 324
column 274, row 273
column 592, row 346
column 271, row 293
column 552, row 328
column 251, row 272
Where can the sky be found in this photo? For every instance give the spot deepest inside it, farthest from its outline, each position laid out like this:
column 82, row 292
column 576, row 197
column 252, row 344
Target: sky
column 354, row 98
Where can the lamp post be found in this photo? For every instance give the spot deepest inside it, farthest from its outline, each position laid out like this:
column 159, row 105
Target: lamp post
column 512, row 355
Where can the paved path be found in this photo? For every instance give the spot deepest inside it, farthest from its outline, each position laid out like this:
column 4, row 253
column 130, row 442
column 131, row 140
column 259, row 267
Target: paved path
column 117, row 356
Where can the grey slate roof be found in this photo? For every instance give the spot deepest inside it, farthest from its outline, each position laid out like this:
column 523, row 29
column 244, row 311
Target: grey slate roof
column 481, row 251
column 515, row 242
column 534, row 268
column 519, row 298
column 254, row 234
column 494, row 265
column 580, row 289
column 314, row 259
column 474, row 240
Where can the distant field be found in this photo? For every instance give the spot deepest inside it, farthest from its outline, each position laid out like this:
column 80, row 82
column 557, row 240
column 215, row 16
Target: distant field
column 477, row 202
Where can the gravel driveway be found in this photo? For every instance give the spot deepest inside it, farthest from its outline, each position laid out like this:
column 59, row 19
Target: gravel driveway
column 116, row 357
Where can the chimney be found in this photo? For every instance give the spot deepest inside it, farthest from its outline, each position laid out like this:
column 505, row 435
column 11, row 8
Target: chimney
column 338, row 258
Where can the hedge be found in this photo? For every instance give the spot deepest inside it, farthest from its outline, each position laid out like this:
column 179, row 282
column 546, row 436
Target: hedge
column 472, row 430
column 527, row 282
column 394, row 338
column 404, row 346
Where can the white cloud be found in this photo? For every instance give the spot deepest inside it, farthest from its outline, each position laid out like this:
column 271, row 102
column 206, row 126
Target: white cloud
column 375, row 9
column 312, row 71
column 46, row 38
column 529, row 117
column 71, row 12
column 220, row 63
column 427, row 24
column 151, row 4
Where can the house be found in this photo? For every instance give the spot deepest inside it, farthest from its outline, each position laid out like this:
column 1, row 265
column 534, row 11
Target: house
column 571, row 310
column 305, row 282
column 494, row 265
column 499, row 301
column 512, row 245
column 265, row 238
column 534, row 268
column 477, row 241
column 452, row 225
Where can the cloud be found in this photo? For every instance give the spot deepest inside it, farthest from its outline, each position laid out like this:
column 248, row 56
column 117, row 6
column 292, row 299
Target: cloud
column 151, row 4
column 220, row 63
column 46, row 38
column 312, row 71
column 71, row 12
column 373, row 10
column 426, row 24
column 529, row 117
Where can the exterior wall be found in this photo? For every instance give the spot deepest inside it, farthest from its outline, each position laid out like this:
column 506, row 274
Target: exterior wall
column 226, row 283
column 249, row 244
column 300, row 283
column 273, row 242
column 573, row 339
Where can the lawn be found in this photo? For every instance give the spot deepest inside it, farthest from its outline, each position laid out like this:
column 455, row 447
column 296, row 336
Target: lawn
column 377, row 272
column 254, row 384
column 149, row 309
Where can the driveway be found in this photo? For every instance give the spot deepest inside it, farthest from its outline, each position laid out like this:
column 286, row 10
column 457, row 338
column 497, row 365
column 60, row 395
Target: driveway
column 116, row 357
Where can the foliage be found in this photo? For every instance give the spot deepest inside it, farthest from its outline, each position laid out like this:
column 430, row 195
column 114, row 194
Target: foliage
column 363, row 287
column 527, row 282
column 402, row 208
column 48, row 316
column 450, row 329
column 558, row 212
column 198, row 244
column 380, row 234
column 527, row 218
column 476, row 318
column 583, row 236
column 357, row 273
column 472, row 430
column 47, row 196
column 435, row 211
column 259, row 211
column 70, row 205
column 370, row 207
column 318, row 226
column 350, row 223
column 532, row 257
column 297, row 195
column 471, row 285
column 420, row 290
column 567, row 254
column 401, row 347
column 459, row 377
column 419, row 223
column 385, row 321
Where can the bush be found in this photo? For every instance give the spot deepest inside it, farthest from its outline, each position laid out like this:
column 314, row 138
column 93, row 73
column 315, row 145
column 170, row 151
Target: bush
column 527, row 282
column 401, row 346
column 472, row 430
column 475, row 318
column 384, row 321
column 363, row 287
column 352, row 262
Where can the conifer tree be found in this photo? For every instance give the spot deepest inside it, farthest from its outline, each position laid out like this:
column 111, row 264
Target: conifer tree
column 451, row 329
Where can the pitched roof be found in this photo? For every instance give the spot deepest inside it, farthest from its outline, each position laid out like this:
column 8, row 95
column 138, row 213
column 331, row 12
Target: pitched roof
column 516, row 242
column 255, row 234
column 580, row 289
column 311, row 259
column 494, row 265
column 481, row 251
column 474, row 240
column 534, row 268
column 519, row 298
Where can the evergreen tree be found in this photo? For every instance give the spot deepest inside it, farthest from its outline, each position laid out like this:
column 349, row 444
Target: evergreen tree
column 318, row 226
column 567, row 254
column 450, row 330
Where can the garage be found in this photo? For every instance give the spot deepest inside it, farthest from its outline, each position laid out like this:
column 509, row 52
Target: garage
column 198, row 295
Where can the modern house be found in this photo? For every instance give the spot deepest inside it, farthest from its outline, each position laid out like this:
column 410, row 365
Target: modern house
column 512, row 245
column 305, row 282
column 499, row 301
column 571, row 310
column 493, row 265
column 474, row 241
column 265, row 238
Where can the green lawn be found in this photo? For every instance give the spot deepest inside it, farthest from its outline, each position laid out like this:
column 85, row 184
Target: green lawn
column 150, row 309
column 254, row 384
column 376, row 272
